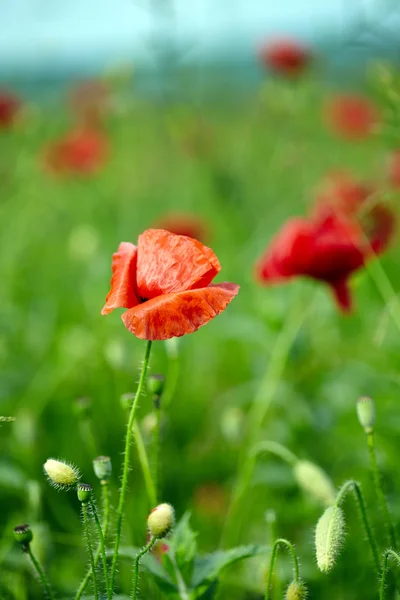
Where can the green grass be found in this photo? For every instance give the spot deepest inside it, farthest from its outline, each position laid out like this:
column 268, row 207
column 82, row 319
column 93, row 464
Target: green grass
column 267, row 155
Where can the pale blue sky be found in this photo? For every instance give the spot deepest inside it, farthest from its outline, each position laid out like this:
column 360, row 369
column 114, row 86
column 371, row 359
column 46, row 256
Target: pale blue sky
column 40, row 34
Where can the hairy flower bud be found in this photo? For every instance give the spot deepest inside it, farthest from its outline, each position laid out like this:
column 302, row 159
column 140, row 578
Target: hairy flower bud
column 84, row 492
column 296, row 591
column 102, row 468
column 315, row 482
column 61, row 475
column 155, row 384
column 329, row 536
column 23, row 534
column 366, row 413
column 161, row 520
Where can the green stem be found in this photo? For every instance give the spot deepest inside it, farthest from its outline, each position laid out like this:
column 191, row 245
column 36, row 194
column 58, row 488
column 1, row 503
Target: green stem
column 289, row 546
column 388, row 553
column 379, row 490
column 125, row 469
column 258, row 411
column 144, row 464
column 182, row 588
column 106, row 521
column 144, row 551
column 385, row 288
column 277, row 449
column 90, row 549
column 156, row 450
column 40, row 572
column 355, row 487
column 102, row 548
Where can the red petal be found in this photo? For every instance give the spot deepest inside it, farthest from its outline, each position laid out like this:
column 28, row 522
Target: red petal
column 172, row 263
column 342, row 295
column 122, row 293
column 177, row 314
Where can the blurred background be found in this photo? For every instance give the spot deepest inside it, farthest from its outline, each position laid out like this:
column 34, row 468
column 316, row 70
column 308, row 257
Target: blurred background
column 218, row 120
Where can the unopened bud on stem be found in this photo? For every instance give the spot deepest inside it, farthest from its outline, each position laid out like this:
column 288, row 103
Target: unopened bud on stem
column 23, row 535
column 296, row 591
column 84, row 492
column 329, row 536
column 366, row 413
column 161, row 520
column 61, row 475
column 102, row 468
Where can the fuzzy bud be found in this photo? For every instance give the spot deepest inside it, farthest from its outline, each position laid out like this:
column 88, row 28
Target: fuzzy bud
column 366, row 413
column 155, row 384
column 329, row 536
column 161, row 520
column 296, row 591
column 23, row 534
column 102, row 468
column 61, row 474
column 84, row 492
column 314, row 482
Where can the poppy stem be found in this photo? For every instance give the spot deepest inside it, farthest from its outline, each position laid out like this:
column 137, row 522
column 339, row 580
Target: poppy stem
column 102, row 548
column 290, row 547
column 156, row 449
column 90, row 549
column 125, row 468
column 139, row 555
column 387, row 554
column 39, row 570
column 144, row 463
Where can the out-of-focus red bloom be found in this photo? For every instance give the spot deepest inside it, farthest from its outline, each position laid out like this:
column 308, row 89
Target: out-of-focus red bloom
column 285, row 56
column 342, row 193
column 165, row 283
column 331, row 245
column 352, row 116
column 393, row 169
column 211, row 499
column 81, row 151
column 9, row 108
column 89, row 102
column 184, row 224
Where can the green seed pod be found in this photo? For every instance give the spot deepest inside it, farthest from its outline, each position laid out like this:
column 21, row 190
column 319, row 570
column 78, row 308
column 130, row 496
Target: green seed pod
column 23, row 534
column 366, row 413
column 161, row 520
column 329, row 536
column 296, row 591
column 84, row 492
column 102, row 468
column 314, row 482
column 156, row 384
column 61, row 474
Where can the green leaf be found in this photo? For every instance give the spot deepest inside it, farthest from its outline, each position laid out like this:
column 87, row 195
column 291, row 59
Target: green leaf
column 207, row 568
column 183, row 547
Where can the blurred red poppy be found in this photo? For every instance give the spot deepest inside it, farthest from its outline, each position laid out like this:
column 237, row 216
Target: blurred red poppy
column 82, row 151
column 9, row 108
column 342, row 193
column 329, row 246
column 351, row 115
column 165, row 283
column 393, row 170
column 285, row 56
column 184, row 224
column 89, row 102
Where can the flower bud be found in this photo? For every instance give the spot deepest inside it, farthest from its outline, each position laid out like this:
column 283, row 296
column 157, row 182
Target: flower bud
column 155, row 384
column 102, row 468
column 296, row 591
column 366, row 413
column 23, row 534
column 315, row 482
column 84, row 492
column 161, row 520
column 61, row 474
column 329, row 536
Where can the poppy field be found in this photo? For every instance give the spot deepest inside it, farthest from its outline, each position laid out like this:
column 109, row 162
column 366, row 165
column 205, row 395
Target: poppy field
column 199, row 341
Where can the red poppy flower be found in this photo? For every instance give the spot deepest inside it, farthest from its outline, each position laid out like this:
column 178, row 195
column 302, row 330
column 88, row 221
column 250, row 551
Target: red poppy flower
column 342, row 193
column 165, row 283
column 82, row 151
column 184, row 224
column 89, row 101
column 329, row 247
column 352, row 116
column 9, row 107
column 285, row 56
column 394, row 169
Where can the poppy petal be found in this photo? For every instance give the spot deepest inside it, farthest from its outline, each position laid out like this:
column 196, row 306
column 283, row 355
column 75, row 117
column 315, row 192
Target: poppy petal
column 172, row 263
column 177, row 314
column 122, row 293
column 342, row 293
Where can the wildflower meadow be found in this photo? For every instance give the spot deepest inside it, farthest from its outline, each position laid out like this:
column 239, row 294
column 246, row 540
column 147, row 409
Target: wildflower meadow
column 199, row 341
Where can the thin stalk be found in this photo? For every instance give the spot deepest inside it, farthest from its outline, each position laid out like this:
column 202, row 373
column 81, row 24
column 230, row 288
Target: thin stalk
column 387, row 554
column 296, row 569
column 144, row 464
column 277, row 449
column 42, row 577
column 379, row 490
column 90, row 549
column 102, row 548
column 144, row 551
column 125, row 469
column 182, row 588
column 106, row 521
column 258, row 411
column 355, row 487
column 156, row 448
